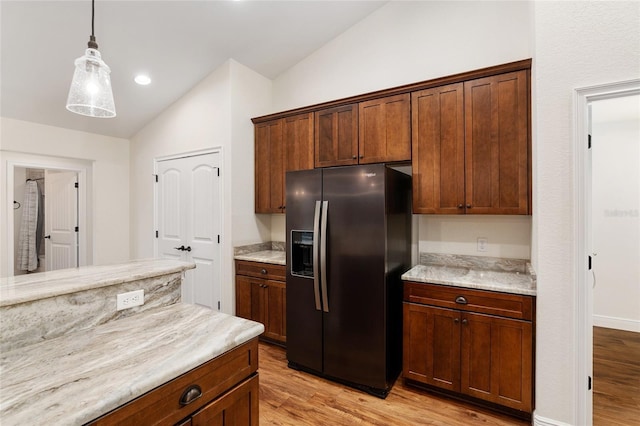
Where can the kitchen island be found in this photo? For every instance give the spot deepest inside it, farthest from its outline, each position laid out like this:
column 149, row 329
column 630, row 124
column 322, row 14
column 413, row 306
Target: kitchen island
column 83, row 374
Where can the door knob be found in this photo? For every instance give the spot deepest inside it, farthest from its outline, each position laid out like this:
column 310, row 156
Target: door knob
column 181, row 248
column 188, row 248
column 47, row 237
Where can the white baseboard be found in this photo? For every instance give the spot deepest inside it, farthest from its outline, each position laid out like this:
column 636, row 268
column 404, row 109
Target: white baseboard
column 543, row 421
column 617, row 323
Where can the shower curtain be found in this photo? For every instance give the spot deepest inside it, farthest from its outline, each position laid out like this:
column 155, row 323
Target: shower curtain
column 31, row 218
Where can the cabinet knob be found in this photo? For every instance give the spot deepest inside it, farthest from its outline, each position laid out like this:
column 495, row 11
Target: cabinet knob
column 461, row 300
column 190, row 394
column 460, row 206
column 362, row 156
column 464, row 321
column 468, row 206
column 355, row 157
column 456, row 320
column 263, row 272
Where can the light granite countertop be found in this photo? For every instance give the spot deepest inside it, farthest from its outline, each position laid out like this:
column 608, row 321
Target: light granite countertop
column 29, row 287
column 514, row 276
column 276, row 257
column 78, row 377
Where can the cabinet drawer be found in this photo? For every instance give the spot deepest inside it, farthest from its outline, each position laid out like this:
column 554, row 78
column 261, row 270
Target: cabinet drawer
column 481, row 301
column 162, row 405
column 260, row 270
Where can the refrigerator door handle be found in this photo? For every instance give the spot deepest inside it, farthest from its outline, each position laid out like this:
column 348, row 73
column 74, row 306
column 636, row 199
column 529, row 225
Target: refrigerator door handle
column 316, row 275
column 323, row 256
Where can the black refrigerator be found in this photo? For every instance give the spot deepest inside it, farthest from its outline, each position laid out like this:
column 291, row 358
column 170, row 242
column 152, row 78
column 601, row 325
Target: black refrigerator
column 348, row 232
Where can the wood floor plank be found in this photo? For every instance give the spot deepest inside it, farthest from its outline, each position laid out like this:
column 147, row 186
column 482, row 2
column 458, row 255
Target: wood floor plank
column 293, row 398
column 616, row 377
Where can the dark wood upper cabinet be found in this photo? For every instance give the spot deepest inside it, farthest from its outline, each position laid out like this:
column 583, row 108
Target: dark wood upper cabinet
column 497, row 144
column 336, row 136
column 471, row 147
column 468, row 137
column 298, row 142
column 385, row 129
column 281, row 145
column 438, row 150
column 269, row 167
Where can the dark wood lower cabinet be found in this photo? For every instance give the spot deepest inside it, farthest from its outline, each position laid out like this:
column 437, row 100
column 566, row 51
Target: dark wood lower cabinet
column 239, row 406
column 228, row 395
column 481, row 356
column 261, row 297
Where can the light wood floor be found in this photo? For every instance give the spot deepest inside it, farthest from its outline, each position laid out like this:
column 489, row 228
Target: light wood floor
column 616, row 377
column 290, row 397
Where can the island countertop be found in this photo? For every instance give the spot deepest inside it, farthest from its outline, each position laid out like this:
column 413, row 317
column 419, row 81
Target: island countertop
column 29, row 287
column 80, row 376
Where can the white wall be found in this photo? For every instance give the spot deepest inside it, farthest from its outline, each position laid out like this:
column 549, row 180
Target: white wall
column 110, row 179
column 406, row 42
column 616, row 219
column 507, row 236
column 577, row 44
column 215, row 113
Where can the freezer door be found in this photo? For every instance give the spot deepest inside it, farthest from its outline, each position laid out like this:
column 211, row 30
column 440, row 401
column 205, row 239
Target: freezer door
column 355, row 324
column 304, row 314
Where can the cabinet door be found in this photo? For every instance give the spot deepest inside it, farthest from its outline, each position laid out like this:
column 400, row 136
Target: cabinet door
column 336, row 136
column 431, row 345
column 385, row 129
column 243, row 296
column 275, row 311
column 497, row 144
column 438, row 150
column 269, row 168
column 298, row 142
column 239, row 406
column 496, row 362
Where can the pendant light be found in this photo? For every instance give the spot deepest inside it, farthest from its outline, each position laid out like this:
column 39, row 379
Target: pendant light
column 90, row 93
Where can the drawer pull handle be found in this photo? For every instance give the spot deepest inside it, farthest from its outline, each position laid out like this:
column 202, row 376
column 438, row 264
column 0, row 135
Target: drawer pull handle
column 190, row 394
column 264, row 271
column 460, row 300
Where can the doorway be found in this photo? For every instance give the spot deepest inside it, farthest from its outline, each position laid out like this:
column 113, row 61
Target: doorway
column 585, row 255
column 188, row 221
column 81, row 170
column 46, row 221
column 615, row 213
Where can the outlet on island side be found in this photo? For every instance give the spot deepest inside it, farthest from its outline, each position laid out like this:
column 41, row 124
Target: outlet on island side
column 482, row 243
column 129, row 299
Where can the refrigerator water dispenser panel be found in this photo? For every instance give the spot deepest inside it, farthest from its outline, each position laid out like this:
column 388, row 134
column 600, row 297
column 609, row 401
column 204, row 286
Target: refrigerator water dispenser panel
column 302, row 253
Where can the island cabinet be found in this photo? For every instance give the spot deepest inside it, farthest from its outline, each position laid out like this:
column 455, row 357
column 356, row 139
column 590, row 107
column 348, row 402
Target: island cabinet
column 261, row 297
column 281, row 145
column 471, row 146
column 472, row 343
column 223, row 391
column 373, row 131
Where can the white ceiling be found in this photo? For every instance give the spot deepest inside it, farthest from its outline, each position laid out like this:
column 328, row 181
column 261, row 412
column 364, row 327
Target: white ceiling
column 177, row 43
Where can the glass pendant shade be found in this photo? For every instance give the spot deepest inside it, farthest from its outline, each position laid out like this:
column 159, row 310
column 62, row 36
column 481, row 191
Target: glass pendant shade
column 90, row 93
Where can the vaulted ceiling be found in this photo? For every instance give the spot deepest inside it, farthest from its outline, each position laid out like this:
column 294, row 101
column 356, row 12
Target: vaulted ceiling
column 177, row 43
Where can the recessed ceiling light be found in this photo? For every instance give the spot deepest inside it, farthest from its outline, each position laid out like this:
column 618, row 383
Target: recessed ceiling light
column 142, row 79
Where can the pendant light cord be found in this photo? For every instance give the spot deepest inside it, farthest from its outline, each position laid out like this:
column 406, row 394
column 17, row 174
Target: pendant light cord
column 92, row 39
column 93, row 14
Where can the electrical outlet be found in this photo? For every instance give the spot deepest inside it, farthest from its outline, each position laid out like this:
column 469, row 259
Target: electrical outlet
column 129, row 299
column 483, row 242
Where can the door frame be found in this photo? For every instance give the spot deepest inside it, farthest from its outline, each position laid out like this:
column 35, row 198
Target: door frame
column 215, row 150
column 583, row 288
column 84, row 169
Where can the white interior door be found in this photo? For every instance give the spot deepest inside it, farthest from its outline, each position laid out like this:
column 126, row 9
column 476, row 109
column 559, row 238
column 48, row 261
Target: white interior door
column 61, row 220
column 188, row 215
